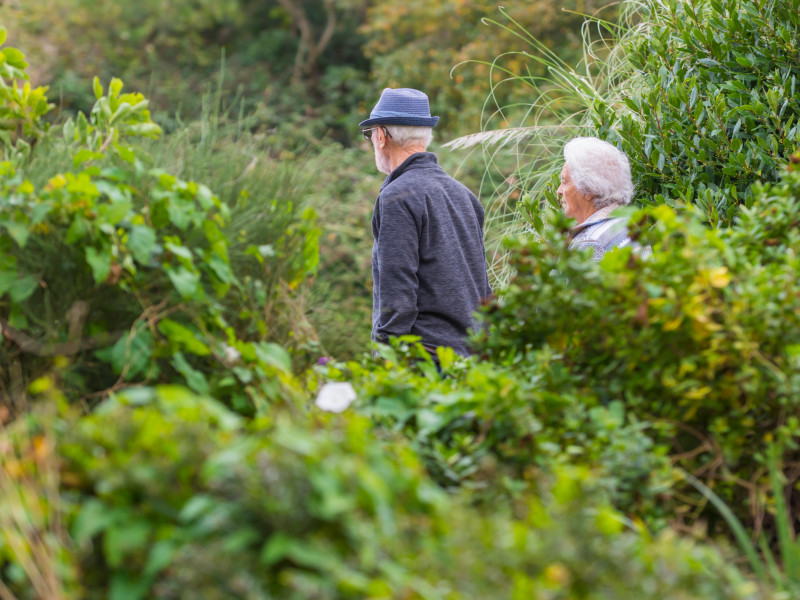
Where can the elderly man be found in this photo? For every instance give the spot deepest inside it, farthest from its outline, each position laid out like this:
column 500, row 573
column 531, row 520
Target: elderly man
column 428, row 258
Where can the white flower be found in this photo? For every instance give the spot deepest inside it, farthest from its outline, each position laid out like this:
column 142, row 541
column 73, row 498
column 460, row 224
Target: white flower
column 231, row 357
column 335, row 397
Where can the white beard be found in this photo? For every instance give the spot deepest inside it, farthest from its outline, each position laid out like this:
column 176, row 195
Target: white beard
column 382, row 162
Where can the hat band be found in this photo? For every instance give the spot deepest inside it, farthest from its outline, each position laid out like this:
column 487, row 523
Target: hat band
column 385, row 114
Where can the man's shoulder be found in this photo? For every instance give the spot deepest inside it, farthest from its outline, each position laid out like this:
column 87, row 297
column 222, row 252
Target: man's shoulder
column 408, row 187
column 419, row 181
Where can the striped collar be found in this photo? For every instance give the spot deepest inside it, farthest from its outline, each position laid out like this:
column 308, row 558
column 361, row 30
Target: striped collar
column 596, row 217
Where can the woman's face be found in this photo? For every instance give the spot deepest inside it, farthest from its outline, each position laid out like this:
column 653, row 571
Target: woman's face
column 576, row 204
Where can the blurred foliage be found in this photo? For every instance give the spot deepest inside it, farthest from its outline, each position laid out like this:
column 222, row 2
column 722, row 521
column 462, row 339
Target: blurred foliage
column 166, row 494
column 73, row 40
column 340, row 306
column 173, row 52
column 318, row 63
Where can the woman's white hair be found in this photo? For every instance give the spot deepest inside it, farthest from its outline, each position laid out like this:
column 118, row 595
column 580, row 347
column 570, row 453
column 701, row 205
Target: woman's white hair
column 404, row 135
column 599, row 169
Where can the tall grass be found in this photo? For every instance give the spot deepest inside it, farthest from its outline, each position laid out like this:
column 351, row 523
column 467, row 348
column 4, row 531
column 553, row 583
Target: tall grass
column 521, row 142
column 781, row 572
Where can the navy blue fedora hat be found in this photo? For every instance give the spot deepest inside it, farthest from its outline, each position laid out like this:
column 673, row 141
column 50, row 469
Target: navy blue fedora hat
column 402, row 106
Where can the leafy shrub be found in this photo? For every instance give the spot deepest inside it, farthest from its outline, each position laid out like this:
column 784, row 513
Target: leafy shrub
column 701, row 95
column 495, row 428
column 702, row 334
column 21, row 106
column 136, row 275
column 166, row 494
column 715, row 106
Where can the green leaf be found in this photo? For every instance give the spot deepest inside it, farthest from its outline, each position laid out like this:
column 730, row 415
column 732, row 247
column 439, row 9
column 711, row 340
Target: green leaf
column 212, row 230
column 278, row 547
column 114, row 212
column 2, row 35
column 144, row 130
column 186, row 282
column 78, row 229
column 21, row 289
column 124, row 538
column 221, row 269
column 159, row 557
column 196, row 507
column 194, row 378
column 181, row 251
column 142, row 244
column 184, row 337
column 205, row 198
column 274, row 355
column 281, row 546
column 125, row 153
column 17, row 318
column 15, row 58
column 19, row 231
column 180, row 212
column 133, row 351
column 82, row 156
column 123, row 110
column 7, row 279
column 100, row 262
column 93, row 518
column 98, row 89
column 116, row 87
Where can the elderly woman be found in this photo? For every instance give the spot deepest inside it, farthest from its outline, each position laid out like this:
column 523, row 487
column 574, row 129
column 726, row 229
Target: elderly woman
column 595, row 180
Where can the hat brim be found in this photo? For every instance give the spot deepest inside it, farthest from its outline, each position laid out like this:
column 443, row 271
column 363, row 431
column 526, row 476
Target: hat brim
column 409, row 121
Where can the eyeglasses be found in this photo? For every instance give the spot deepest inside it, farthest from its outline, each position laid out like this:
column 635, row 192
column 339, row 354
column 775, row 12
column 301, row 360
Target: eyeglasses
column 368, row 132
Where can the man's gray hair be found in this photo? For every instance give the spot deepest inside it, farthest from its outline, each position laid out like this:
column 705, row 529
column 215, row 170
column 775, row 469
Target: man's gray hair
column 404, row 135
column 599, row 169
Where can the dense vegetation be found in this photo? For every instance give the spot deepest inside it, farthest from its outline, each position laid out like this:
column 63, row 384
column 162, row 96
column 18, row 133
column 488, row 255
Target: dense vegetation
column 626, row 428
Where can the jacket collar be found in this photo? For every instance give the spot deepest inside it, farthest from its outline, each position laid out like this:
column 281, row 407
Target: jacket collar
column 418, row 160
column 596, row 217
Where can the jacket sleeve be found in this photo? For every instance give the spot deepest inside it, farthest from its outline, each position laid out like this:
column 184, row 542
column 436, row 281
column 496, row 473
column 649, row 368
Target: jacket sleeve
column 397, row 255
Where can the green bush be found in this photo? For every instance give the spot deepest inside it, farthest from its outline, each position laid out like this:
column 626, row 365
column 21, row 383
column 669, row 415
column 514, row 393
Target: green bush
column 702, row 334
column 161, row 493
column 134, row 275
column 701, row 95
column 714, row 106
column 495, row 428
column 21, row 106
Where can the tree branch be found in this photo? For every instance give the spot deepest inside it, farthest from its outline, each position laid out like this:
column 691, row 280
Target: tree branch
column 325, row 38
column 28, row 345
column 300, row 19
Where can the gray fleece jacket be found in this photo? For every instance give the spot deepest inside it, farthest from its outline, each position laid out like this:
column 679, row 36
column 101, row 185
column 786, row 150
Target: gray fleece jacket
column 428, row 257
